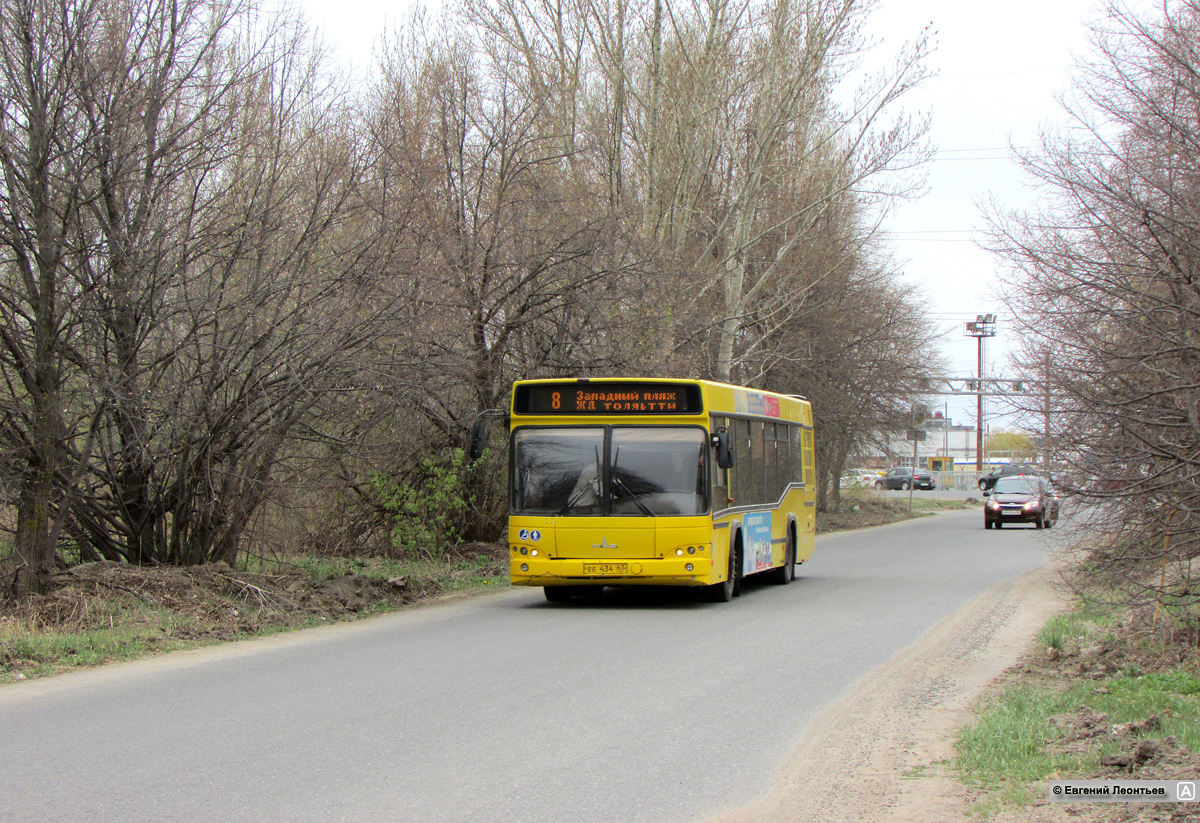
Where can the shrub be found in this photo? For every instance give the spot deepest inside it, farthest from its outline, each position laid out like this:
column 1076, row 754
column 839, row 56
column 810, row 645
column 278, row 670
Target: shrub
column 429, row 513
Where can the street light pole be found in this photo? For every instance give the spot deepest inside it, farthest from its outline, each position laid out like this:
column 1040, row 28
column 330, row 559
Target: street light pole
column 979, row 411
column 983, row 326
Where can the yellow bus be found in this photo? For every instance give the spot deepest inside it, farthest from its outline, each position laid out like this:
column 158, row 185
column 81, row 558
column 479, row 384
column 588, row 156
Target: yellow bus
column 621, row 482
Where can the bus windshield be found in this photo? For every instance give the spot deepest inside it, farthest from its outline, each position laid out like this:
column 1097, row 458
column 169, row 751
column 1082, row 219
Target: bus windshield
column 622, row 470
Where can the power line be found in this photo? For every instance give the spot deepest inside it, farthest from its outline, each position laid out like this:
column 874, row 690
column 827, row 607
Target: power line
column 1001, row 73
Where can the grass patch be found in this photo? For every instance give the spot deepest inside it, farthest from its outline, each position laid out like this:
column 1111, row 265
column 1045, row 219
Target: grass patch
column 1099, row 698
column 1006, row 749
column 1169, row 696
column 29, row 653
column 1070, row 632
column 1011, row 746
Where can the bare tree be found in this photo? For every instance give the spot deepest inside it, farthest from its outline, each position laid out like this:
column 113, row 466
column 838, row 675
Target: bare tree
column 40, row 133
column 192, row 182
column 514, row 262
column 1110, row 295
column 727, row 106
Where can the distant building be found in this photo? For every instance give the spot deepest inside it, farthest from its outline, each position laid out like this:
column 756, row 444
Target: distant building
column 944, row 441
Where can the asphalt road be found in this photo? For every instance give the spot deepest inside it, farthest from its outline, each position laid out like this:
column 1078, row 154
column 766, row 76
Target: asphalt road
column 633, row 707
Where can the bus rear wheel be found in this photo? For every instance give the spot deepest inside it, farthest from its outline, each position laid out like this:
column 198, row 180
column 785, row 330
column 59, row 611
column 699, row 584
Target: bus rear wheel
column 787, row 572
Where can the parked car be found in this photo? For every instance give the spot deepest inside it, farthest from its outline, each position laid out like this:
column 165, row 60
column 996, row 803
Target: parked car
column 1020, row 499
column 988, row 480
column 904, row 478
column 858, row 477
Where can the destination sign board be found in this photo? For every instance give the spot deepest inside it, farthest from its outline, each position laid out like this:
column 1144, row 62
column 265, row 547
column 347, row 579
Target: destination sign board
column 601, row 398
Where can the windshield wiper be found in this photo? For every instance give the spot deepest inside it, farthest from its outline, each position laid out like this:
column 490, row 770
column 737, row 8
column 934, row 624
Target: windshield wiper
column 616, row 481
column 619, row 483
column 574, row 500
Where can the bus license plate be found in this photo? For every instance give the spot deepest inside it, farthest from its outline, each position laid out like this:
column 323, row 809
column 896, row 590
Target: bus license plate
column 605, row 568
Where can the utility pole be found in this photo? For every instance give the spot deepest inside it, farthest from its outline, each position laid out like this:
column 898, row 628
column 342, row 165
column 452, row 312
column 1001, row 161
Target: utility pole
column 983, row 326
column 1046, row 420
column 917, row 435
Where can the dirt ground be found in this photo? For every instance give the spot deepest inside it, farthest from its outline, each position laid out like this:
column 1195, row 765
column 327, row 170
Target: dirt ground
column 165, row 606
column 883, row 753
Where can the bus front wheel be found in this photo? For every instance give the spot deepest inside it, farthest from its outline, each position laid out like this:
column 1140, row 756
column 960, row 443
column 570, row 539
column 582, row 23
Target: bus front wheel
column 561, row 594
column 730, row 587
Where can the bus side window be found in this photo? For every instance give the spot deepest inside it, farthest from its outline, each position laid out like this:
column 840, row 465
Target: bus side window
column 758, row 449
column 743, row 465
column 810, row 471
column 783, row 456
column 797, row 472
column 770, row 462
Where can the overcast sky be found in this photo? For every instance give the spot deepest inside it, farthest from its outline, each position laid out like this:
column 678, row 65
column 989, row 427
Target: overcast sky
column 998, row 68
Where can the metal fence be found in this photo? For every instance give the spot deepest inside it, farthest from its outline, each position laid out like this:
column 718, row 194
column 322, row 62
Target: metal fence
column 958, row 480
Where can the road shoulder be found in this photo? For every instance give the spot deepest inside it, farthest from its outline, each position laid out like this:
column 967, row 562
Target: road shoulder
column 881, row 753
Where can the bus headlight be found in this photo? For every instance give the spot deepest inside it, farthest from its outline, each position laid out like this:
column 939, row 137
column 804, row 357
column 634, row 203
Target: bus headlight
column 679, row 552
column 524, row 567
column 689, row 567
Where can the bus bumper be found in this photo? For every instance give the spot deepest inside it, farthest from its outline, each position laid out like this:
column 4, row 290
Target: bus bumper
column 674, row 571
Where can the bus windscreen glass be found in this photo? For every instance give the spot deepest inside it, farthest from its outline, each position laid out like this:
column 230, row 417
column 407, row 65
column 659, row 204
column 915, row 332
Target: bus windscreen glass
column 652, row 471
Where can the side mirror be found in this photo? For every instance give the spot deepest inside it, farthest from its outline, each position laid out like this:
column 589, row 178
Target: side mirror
column 478, row 438
column 722, row 443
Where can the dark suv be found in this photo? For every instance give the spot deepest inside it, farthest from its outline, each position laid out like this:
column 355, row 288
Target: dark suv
column 988, row 480
column 904, row 478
